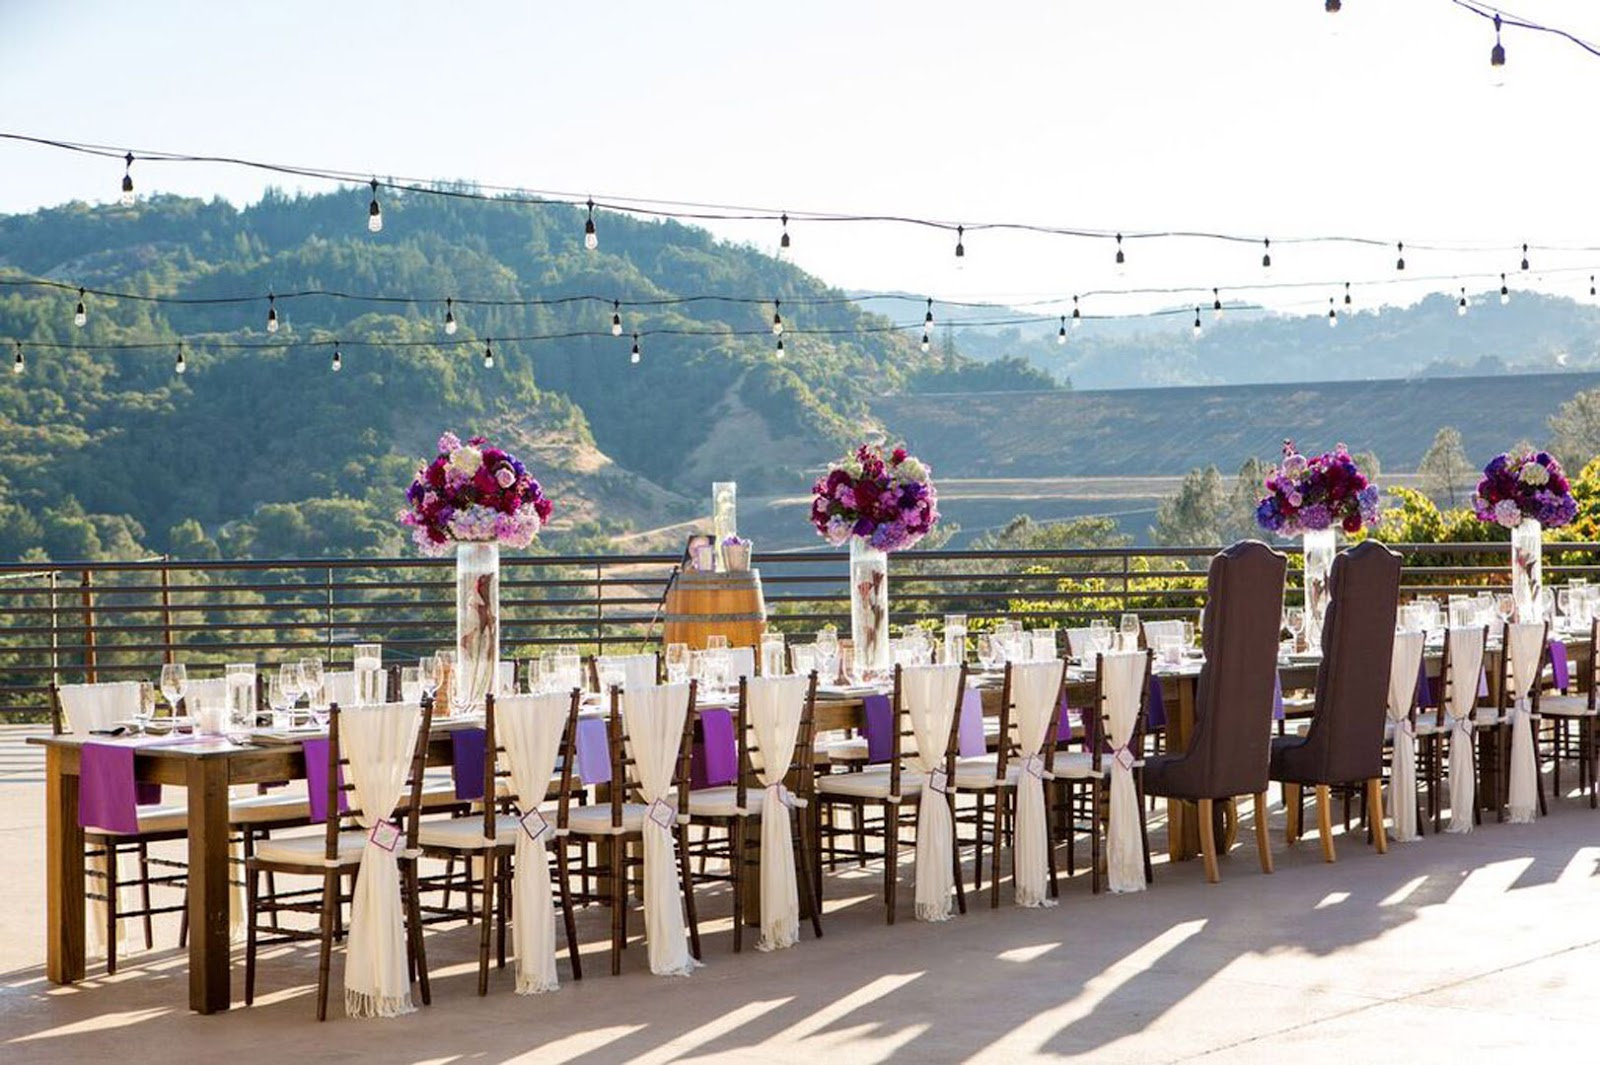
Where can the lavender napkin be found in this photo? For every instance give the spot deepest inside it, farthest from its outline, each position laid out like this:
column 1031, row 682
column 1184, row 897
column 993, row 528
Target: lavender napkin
column 1277, row 697
column 466, row 762
column 969, row 734
column 1561, row 673
column 107, row 797
column 316, row 751
column 879, row 717
column 1069, row 717
column 715, row 760
column 594, row 751
column 1424, row 686
column 1156, row 716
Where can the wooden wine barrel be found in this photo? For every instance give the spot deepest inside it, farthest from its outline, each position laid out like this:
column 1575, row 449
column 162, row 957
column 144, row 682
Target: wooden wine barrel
column 704, row 604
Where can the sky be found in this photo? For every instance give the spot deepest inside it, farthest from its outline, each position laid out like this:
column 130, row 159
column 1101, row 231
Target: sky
column 1262, row 118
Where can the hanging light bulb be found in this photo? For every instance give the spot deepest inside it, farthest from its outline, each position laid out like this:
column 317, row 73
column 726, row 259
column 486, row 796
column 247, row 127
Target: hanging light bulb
column 1505, row 291
column 374, row 212
column 777, row 319
column 778, row 354
column 1197, row 323
column 1591, row 286
column 18, row 365
column 127, row 181
column 1077, row 315
column 1333, row 314
column 449, row 316
column 1266, row 254
column 180, row 367
column 1400, row 249
column 1461, row 304
column 1348, row 302
column 927, row 342
column 1524, row 256
column 272, row 313
column 80, row 315
column 927, row 319
column 961, row 247
column 1122, row 261
column 1061, row 334
column 616, row 318
column 783, row 241
column 1331, row 6
column 1216, row 305
column 634, row 358
column 338, row 358
column 591, row 239
column 488, row 354
column 1497, row 57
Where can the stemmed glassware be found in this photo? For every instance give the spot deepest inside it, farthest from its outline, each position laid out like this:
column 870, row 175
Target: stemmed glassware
column 677, row 657
column 146, row 708
column 988, row 657
column 1294, row 619
column 1129, row 629
column 174, row 683
column 827, row 655
column 282, row 696
column 411, row 684
column 1099, row 636
column 311, row 686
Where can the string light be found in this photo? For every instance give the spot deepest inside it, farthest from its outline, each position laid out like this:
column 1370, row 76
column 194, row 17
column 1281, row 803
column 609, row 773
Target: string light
column 1400, row 250
column 1266, row 254
column 779, row 353
column 1122, row 261
column 1461, row 304
column 127, row 182
column 80, row 316
column 1061, row 334
column 927, row 342
column 777, row 318
column 783, row 241
column 1333, row 314
column 374, row 212
column 616, row 318
column 591, row 239
column 634, row 358
column 1216, row 305
column 1505, row 291
column 927, row 319
column 1331, row 6
column 488, row 354
column 1197, row 323
column 1497, row 56
column 180, row 367
column 1591, row 286
column 961, row 247
column 272, row 313
column 1524, row 256
column 338, row 358
column 1077, row 315
column 1348, row 302
column 17, row 366
column 449, row 316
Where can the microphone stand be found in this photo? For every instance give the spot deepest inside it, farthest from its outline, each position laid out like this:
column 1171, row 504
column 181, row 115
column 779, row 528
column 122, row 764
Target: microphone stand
column 661, row 603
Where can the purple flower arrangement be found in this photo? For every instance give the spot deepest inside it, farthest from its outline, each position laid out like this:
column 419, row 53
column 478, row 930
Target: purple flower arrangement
column 1526, row 486
column 1324, row 492
column 888, row 502
column 473, row 491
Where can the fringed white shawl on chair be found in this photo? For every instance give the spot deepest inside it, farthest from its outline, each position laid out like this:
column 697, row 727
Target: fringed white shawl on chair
column 378, row 740
column 930, row 703
column 1035, row 688
column 774, row 708
column 1466, row 663
column 1404, row 667
column 1124, row 687
column 530, row 728
column 653, row 717
column 1524, row 642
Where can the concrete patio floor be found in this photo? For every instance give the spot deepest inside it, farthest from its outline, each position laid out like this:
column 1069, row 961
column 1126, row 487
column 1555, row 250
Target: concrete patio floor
column 1454, row 948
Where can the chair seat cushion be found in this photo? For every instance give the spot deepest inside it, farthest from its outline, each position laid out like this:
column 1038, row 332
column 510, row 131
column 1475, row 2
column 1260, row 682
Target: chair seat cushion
column 981, row 777
column 596, row 820
column 872, row 784
column 1565, row 706
column 272, row 808
column 154, row 820
column 466, row 833
column 849, row 751
column 309, row 850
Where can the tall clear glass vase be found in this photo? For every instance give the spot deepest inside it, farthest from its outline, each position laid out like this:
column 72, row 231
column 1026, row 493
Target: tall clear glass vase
column 1527, row 565
column 869, row 607
column 1319, row 546
column 477, row 624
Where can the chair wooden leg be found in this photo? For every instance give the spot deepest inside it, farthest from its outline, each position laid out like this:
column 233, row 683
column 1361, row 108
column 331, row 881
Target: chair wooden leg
column 414, row 927
column 1094, row 837
column 486, row 928
column 144, row 894
column 808, row 896
column 1144, row 830
column 690, row 913
column 112, row 859
column 1069, row 791
column 1293, row 811
column 330, row 908
column 736, row 848
column 619, row 905
column 1002, row 800
column 955, row 855
column 977, row 863
column 252, row 879
column 1380, row 838
column 1263, row 845
column 1325, row 821
column 1208, row 840
column 1049, row 851
column 891, row 855
column 568, row 921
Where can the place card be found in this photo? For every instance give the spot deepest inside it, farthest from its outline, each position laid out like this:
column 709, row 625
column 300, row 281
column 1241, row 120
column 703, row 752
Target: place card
column 662, row 814
column 1124, row 757
column 535, row 825
column 939, row 781
column 1033, row 765
column 385, row 834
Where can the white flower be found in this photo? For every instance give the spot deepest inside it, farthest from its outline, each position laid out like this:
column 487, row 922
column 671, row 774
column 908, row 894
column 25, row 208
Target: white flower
column 851, row 465
column 1535, row 474
column 912, row 469
column 466, row 460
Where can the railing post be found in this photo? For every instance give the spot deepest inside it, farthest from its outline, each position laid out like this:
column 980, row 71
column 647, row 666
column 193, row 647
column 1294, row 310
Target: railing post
column 599, row 610
column 166, row 609
column 55, row 628
column 1127, row 568
column 87, row 595
column 327, row 622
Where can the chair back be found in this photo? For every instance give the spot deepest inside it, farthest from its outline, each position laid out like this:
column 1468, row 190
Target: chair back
column 753, row 757
column 1098, row 728
column 1509, row 682
column 1460, row 667
column 913, row 684
column 1345, row 741
column 1228, row 754
column 626, row 776
column 79, row 709
column 339, row 783
column 638, row 671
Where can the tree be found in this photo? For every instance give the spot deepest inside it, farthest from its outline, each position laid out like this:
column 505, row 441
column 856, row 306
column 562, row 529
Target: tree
column 1199, row 512
column 1575, row 429
column 1446, row 473
column 1247, row 489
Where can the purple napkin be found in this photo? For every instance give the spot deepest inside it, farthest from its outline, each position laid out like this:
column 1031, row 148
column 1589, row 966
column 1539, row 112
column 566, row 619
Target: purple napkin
column 879, row 715
column 317, row 781
column 1064, row 723
column 715, row 760
column 106, row 793
column 466, row 762
column 594, row 751
column 1558, row 665
column 969, row 734
column 1156, row 712
column 1424, row 686
column 1483, row 684
column 1277, row 697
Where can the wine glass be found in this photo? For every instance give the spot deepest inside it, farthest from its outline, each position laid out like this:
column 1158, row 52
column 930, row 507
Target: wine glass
column 1294, row 619
column 1129, row 629
column 1505, row 606
column 281, row 696
column 987, row 656
column 1188, row 634
column 677, row 657
column 411, row 684
column 311, row 686
column 146, row 707
column 174, row 683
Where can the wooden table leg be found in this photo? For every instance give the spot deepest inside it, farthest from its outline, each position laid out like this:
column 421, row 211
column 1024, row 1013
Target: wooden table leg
column 1183, row 824
column 63, row 871
column 209, row 947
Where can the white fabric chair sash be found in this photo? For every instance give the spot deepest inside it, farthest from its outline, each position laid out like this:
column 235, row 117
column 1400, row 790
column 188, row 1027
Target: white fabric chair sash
column 1153, row 629
column 1035, row 687
column 1078, row 643
column 1466, row 663
column 741, row 663
column 379, row 741
column 1524, row 643
column 1404, row 667
column 530, row 729
column 92, row 707
column 1123, row 680
column 505, row 678
column 340, row 687
column 638, row 671
column 930, row 704
column 653, row 717
column 774, row 707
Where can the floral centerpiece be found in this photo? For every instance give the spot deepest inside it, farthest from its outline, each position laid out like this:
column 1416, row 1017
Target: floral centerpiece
column 1314, row 498
column 476, row 497
column 1527, row 493
column 877, row 504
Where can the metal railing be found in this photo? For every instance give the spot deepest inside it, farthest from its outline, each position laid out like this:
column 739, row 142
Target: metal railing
column 121, row 620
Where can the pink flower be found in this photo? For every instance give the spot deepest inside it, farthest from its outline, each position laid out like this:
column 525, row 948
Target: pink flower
column 505, row 477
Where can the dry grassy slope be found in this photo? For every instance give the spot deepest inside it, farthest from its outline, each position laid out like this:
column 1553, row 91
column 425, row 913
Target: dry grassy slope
column 741, row 439
column 1144, row 432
